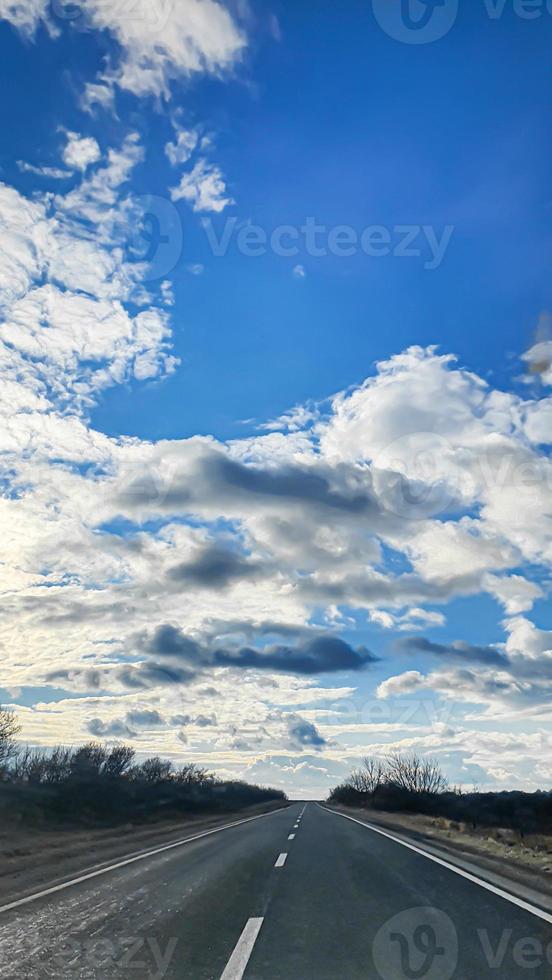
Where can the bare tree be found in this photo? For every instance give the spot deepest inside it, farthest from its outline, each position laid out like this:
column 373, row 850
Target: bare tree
column 192, row 775
column 58, row 765
column 88, row 760
column 42, row 766
column 368, row 777
column 9, row 728
column 414, row 774
column 119, row 761
column 374, row 772
column 154, row 770
column 27, row 765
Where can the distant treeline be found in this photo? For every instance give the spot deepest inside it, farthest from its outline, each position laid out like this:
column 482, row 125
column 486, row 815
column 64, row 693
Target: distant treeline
column 95, row 783
column 409, row 784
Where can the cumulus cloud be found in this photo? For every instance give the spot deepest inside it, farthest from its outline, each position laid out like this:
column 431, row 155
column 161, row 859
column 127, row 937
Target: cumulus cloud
column 515, row 593
column 458, row 650
column 145, row 718
column 517, row 676
column 116, row 728
column 80, row 151
column 321, row 655
column 69, row 337
column 170, row 563
column 181, row 149
column 304, row 734
column 214, row 567
column 157, row 42
column 203, row 188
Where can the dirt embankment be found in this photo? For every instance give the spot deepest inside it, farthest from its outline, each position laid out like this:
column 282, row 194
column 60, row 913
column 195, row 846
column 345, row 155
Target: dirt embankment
column 33, row 858
column 526, row 860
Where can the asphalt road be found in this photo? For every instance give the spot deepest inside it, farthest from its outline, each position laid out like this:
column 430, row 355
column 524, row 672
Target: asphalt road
column 337, row 901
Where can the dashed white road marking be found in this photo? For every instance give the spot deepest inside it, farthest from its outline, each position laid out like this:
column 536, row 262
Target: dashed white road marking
column 281, row 860
column 533, row 909
column 235, row 968
column 291, row 837
column 130, row 860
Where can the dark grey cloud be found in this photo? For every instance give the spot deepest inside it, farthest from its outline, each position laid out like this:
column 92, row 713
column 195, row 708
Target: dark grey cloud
column 126, row 727
column 321, row 655
column 116, row 728
column 152, row 674
column 214, row 567
column 303, row 733
column 172, row 658
column 204, row 721
column 90, row 679
column 294, row 483
column 211, row 478
column 489, row 656
column 180, row 719
column 145, row 718
column 169, row 641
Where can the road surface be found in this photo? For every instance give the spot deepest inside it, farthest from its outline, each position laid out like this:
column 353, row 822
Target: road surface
column 299, row 894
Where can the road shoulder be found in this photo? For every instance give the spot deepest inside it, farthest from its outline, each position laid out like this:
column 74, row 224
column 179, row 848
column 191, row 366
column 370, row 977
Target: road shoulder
column 36, row 860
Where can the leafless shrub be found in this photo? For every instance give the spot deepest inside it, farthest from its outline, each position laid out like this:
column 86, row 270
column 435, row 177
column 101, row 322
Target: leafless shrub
column 154, row 770
column 369, row 776
column 9, row 728
column 414, row 774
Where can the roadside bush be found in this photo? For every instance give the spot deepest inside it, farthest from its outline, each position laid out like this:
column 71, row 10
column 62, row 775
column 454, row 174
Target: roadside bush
column 408, row 784
column 94, row 783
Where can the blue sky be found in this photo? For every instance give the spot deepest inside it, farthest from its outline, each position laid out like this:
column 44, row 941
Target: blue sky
column 373, row 467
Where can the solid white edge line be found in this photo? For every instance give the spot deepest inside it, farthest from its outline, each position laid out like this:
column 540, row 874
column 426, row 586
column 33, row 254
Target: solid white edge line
column 235, row 968
column 533, row 909
column 280, row 861
column 126, row 861
column 291, row 837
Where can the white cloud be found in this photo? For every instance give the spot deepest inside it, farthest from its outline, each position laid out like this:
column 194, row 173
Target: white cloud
column 66, row 340
column 97, row 95
column 182, row 148
column 80, row 151
column 305, row 510
column 539, row 356
column 204, row 188
column 159, row 41
column 26, row 16
column 294, row 420
column 412, row 619
column 51, row 173
column 517, row 594
column 299, row 272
